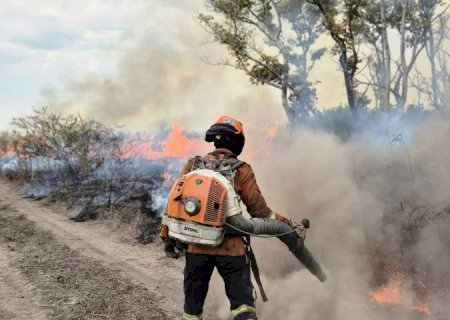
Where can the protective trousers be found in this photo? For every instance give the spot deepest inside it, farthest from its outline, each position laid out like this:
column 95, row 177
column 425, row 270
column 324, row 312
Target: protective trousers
column 235, row 272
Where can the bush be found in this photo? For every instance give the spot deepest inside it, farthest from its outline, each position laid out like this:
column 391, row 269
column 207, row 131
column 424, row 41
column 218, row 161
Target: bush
column 372, row 122
column 82, row 145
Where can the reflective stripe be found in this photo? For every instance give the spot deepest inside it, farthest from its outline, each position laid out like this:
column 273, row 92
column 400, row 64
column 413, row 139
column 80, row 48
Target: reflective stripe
column 272, row 216
column 187, row 316
column 243, row 308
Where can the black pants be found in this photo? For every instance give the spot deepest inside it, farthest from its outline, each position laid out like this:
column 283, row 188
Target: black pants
column 235, row 272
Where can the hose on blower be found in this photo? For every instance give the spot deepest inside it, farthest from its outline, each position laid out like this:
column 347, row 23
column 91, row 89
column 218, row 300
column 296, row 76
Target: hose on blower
column 263, row 227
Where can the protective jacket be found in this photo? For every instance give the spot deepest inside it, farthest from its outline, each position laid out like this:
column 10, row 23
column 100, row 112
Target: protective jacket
column 246, row 187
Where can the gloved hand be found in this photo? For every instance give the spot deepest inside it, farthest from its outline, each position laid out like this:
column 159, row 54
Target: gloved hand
column 169, row 244
column 300, row 228
column 163, row 231
column 169, row 248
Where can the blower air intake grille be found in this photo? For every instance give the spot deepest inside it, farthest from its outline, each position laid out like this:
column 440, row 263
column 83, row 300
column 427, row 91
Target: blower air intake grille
column 214, row 211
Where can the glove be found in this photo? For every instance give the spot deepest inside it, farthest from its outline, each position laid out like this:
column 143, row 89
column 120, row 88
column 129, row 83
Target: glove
column 169, row 244
column 169, row 248
column 164, row 232
column 300, row 228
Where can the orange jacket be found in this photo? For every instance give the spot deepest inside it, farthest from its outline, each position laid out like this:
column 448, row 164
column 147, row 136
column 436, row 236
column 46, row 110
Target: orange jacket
column 246, row 187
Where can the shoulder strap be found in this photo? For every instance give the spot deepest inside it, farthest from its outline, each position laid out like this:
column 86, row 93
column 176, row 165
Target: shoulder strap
column 198, row 162
column 235, row 165
column 226, row 166
column 217, row 154
column 254, row 266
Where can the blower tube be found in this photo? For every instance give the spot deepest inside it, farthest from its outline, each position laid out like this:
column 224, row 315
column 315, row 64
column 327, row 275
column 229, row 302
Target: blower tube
column 265, row 226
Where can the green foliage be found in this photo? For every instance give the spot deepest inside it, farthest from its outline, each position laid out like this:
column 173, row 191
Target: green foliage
column 4, row 142
column 345, row 21
column 271, row 41
column 338, row 121
column 376, row 122
column 268, row 71
column 81, row 143
column 275, row 43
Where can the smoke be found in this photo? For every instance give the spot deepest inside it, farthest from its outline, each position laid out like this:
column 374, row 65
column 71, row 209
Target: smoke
column 374, row 193
column 166, row 72
column 354, row 194
column 373, row 208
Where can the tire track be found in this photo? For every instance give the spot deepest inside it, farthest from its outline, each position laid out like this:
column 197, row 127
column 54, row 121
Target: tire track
column 145, row 265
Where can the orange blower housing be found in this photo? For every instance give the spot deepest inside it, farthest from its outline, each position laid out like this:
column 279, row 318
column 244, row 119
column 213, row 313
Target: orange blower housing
column 198, row 198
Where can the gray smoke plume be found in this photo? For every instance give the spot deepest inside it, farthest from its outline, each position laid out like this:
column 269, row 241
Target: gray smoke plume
column 377, row 212
column 163, row 75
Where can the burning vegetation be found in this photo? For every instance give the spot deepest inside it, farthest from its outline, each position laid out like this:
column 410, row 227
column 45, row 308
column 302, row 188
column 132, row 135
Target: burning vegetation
column 84, row 163
column 382, row 208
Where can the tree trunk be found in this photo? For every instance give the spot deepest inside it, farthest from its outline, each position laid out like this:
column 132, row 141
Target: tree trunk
column 343, row 59
column 387, row 58
column 432, row 57
column 404, row 68
column 287, row 107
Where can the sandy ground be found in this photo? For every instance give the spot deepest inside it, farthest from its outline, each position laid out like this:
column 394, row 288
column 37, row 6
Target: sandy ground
column 19, row 299
column 145, row 265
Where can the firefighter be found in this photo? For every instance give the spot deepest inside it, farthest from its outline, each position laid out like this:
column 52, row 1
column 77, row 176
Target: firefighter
column 229, row 258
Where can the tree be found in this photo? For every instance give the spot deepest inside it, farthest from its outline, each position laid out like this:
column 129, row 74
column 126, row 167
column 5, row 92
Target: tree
column 435, row 25
column 379, row 16
column 272, row 42
column 81, row 144
column 5, row 142
column 413, row 21
column 344, row 21
column 443, row 71
column 412, row 32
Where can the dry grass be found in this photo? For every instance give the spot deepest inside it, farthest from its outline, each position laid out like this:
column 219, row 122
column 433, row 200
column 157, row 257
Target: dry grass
column 131, row 224
column 12, row 228
column 72, row 286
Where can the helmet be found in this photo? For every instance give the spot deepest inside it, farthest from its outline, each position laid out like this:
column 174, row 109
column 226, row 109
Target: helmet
column 227, row 133
column 224, row 125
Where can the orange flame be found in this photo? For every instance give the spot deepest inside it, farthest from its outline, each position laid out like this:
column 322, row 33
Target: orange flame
column 391, row 294
column 423, row 308
column 176, row 144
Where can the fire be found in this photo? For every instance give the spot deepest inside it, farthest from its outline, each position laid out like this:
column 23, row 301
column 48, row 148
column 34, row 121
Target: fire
column 391, row 294
column 423, row 308
column 176, row 144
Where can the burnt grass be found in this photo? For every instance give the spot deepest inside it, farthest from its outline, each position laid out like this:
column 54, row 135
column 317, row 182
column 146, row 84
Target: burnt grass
column 73, row 286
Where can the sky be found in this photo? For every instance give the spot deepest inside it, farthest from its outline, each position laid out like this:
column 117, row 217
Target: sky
column 137, row 64
column 49, row 42
column 131, row 63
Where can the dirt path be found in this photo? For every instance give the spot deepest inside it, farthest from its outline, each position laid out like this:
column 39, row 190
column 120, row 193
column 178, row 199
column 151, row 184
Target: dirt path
column 19, row 299
column 145, row 265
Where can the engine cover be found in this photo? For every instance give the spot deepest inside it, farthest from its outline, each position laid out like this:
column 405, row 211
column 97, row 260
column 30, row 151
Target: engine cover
column 194, row 233
column 198, row 198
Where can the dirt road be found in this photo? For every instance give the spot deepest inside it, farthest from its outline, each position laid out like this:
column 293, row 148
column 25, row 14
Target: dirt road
column 145, row 265
column 16, row 290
